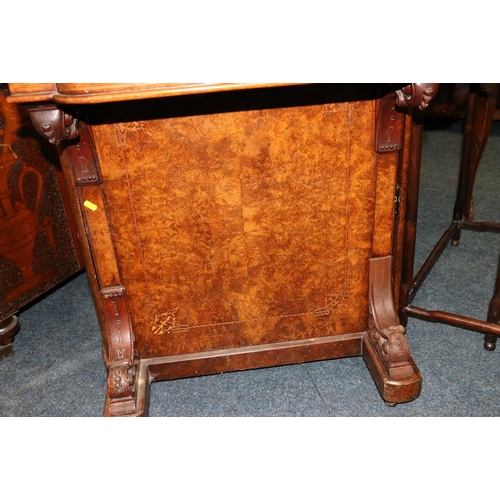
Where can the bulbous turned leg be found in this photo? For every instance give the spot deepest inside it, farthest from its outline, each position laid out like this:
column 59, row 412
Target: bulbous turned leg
column 8, row 329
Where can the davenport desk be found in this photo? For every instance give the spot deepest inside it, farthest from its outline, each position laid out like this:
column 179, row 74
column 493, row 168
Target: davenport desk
column 235, row 226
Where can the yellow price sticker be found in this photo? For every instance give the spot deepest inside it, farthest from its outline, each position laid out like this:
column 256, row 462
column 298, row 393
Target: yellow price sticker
column 90, row 205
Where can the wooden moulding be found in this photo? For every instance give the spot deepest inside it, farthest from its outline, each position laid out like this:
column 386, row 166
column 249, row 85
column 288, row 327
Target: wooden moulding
column 226, row 360
column 92, row 93
column 283, row 353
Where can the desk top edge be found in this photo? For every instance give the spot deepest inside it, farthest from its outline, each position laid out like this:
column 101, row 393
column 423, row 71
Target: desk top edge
column 93, row 93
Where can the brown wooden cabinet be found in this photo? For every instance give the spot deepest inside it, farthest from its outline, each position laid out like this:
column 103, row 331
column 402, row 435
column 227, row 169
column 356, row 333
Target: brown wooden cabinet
column 229, row 227
column 38, row 246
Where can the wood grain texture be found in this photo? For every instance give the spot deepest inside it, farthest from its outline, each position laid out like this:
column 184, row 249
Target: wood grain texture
column 242, row 228
column 85, row 93
column 229, row 227
column 97, row 228
column 37, row 250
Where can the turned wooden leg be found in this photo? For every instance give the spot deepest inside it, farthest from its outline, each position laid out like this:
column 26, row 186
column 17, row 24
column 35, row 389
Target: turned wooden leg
column 8, row 329
column 480, row 110
column 490, row 340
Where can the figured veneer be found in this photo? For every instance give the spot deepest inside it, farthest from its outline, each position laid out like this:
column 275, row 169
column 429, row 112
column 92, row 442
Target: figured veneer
column 235, row 227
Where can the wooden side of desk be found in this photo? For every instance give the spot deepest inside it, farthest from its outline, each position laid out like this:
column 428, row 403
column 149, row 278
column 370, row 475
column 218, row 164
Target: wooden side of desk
column 240, row 230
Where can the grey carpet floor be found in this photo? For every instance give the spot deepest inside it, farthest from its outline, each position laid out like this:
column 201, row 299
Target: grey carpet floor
column 57, row 369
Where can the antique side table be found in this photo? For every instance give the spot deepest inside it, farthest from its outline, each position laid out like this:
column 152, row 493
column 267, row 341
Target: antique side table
column 478, row 104
column 234, row 226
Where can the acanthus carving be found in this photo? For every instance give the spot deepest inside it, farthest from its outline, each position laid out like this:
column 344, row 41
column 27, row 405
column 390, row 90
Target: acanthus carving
column 416, row 95
column 54, row 124
column 385, row 333
column 121, row 380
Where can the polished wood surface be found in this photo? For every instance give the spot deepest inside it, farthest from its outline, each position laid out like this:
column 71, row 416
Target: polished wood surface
column 236, row 227
column 478, row 105
column 38, row 247
column 85, row 93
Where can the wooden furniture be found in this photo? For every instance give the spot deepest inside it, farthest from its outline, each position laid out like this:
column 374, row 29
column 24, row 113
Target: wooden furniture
column 478, row 104
column 37, row 245
column 453, row 100
column 235, row 226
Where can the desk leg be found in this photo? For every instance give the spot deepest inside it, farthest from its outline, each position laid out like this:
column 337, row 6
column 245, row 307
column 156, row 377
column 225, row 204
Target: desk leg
column 407, row 287
column 8, row 329
column 490, row 340
column 480, row 111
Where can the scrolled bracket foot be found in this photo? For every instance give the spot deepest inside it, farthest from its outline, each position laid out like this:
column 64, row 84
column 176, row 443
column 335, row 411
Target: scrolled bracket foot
column 385, row 348
column 120, row 356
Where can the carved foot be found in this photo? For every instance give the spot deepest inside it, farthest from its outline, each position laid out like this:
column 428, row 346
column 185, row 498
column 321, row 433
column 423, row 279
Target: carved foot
column 393, row 391
column 385, row 349
column 8, row 329
column 120, row 398
column 120, row 357
column 135, row 391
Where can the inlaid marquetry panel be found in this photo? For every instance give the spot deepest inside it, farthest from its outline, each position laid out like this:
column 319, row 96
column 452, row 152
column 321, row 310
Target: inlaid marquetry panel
column 37, row 249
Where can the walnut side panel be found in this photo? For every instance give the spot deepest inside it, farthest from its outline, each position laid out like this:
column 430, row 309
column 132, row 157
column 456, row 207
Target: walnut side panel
column 242, row 228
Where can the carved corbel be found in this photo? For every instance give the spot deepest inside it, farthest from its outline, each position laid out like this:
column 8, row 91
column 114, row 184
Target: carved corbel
column 416, row 95
column 54, row 124
column 119, row 353
column 390, row 119
column 385, row 333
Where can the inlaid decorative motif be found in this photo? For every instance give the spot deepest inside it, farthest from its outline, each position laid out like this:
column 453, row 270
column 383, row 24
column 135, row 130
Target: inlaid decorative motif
column 32, row 218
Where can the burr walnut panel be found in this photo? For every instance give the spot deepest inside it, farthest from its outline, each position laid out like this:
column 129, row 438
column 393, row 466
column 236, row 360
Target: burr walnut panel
column 242, row 228
column 228, row 227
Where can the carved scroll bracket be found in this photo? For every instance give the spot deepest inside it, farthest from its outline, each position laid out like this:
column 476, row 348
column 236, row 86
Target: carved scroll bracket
column 53, row 124
column 386, row 333
column 416, row 95
column 119, row 353
column 390, row 119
